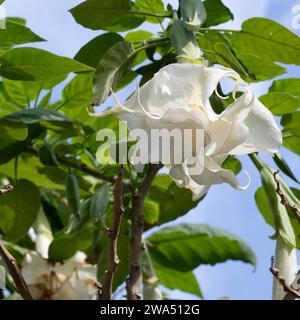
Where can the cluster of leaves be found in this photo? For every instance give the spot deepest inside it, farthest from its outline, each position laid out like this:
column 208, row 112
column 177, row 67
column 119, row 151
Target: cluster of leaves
column 48, row 148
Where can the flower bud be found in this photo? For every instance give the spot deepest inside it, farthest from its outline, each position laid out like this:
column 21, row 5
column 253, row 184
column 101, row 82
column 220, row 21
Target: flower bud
column 185, row 43
column 193, row 14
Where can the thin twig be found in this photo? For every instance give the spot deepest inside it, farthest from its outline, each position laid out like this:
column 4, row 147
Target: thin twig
column 296, row 286
column 283, row 199
column 113, row 234
column 11, row 263
column 286, row 287
column 136, row 247
column 15, row 272
column 84, row 168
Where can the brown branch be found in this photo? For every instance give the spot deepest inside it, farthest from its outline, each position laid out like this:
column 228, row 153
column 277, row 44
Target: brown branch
column 11, row 263
column 283, row 199
column 286, row 287
column 6, row 189
column 113, row 234
column 15, row 272
column 136, row 247
column 296, row 286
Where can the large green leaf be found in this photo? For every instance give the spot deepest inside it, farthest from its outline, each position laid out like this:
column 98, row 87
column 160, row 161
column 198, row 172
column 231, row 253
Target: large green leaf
column 175, row 280
column 44, row 117
column 217, row 49
column 289, row 85
column 113, row 65
column 16, row 33
column 291, row 131
column 152, row 6
column 172, row 201
column 65, row 245
column 280, row 103
column 217, row 13
column 184, row 247
column 91, row 53
column 267, row 39
column 51, row 178
column 95, row 14
column 19, row 209
column 22, row 92
column 78, row 92
column 34, row 64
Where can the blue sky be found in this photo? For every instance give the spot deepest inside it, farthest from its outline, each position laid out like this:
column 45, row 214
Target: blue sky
column 224, row 207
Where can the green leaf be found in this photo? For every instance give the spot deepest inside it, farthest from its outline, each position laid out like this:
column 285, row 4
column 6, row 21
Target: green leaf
column 217, row 13
column 9, row 149
column 290, row 86
column 263, row 206
column 284, row 166
column 91, row 53
column 259, row 69
column 184, row 247
column 291, row 131
column 113, row 65
column 16, row 33
column 281, row 219
column 136, row 36
column 51, row 178
column 232, row 164
column 45, row 100
column 280, row 103
column 96, row 14
column 151, row 6
column 17, row 131
column 23, row 92
column 267, row 39
column 78, row 92
column 32, row 64
column 47, row 156
column 72, row 193
column 175, row 280
column 173, row 201
column 44, row 117
column 64, row 245
column 217, row 49
column 151, row 212
column 99, row 203
column 19, row 209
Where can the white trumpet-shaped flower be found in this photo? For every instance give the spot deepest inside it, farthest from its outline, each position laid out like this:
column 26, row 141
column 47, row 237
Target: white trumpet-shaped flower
column 178, row 97
column 73, row 279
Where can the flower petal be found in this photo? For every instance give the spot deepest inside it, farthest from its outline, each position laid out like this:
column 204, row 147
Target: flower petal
column 264, row 134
